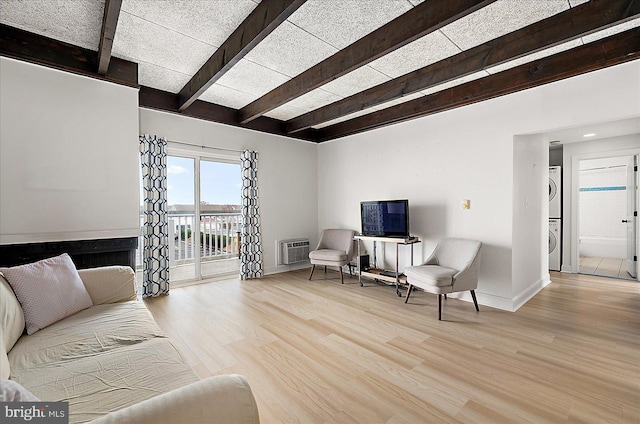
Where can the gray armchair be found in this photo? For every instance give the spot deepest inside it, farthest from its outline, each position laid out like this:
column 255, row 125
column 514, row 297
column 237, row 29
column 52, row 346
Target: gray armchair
column 334, row 249
column 452, row 267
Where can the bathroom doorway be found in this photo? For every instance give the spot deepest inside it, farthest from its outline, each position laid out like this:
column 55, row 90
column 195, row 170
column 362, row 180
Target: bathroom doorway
column 607, row 229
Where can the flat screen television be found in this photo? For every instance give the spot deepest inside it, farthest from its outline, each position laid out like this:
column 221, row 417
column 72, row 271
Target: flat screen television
column 385, row 218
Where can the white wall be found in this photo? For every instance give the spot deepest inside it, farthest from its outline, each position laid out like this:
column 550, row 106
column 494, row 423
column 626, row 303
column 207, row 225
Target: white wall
column 468, row 153
column 68, row 156
column 530, row 259
column 573, row 154
column 287, row 173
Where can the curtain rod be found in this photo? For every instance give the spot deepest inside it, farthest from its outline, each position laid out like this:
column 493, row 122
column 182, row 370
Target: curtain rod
column 204, row 147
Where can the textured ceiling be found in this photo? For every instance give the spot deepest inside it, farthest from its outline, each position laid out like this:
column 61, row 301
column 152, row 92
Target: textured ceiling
column 74, row 22
column 171, row 40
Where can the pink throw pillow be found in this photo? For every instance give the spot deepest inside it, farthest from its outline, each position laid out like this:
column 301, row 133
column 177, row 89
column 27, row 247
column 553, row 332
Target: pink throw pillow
column 48, row 290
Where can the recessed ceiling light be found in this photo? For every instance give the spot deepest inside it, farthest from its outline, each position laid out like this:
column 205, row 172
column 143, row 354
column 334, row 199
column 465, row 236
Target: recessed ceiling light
column 589, row 135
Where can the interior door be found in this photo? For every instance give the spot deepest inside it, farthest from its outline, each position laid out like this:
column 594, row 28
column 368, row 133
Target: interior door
column 631, row 219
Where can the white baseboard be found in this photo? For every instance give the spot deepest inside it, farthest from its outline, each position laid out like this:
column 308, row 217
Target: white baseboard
column 525, row 295
column 504, row 303
column 485, row 299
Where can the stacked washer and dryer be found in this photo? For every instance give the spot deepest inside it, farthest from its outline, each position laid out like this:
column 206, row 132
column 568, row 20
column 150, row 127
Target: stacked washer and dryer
column 555, row 217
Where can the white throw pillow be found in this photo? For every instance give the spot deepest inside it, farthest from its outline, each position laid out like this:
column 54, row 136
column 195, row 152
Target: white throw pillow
column 48, row 290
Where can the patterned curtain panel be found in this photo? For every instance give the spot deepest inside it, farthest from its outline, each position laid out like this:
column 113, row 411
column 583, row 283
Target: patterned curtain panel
column 251, row 249
column 155, row 228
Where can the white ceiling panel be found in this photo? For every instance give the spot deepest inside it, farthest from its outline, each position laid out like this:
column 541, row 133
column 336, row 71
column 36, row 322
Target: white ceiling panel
column 341, row 22
column 500, row 18
column 290, row 50
column 634, row 23
column 251, row 78
column 355, row 81
column 142, row 41
column 313, row 100
column 211, row 22
column 161, row 78
column 422, row 52
column 284, row 112
column 534, row 56
column 76, row 22
column 455, row 82
column 226, row 96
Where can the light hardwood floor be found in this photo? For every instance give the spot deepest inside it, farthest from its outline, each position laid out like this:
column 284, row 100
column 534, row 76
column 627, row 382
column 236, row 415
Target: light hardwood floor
column 321, row 352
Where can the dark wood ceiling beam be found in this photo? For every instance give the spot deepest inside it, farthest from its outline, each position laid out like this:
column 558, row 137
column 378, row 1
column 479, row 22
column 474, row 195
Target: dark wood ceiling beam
column 152, row 98
column 568, row 25
column 427, row 17
column 107, row 33
column 613, row 50
column 266, row 17
column 30, row 47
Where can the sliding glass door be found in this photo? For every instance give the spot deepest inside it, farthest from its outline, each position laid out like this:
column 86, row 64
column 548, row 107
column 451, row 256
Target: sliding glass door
column 204, row 216
column 219, row 216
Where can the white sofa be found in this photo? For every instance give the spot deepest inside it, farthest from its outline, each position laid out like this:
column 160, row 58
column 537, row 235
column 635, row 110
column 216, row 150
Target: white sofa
column 113, row 364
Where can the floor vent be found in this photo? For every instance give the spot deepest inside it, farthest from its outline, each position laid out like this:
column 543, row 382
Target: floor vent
column 294, row 251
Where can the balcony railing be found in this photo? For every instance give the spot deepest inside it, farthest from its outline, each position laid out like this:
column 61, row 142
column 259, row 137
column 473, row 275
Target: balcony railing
column 219, row 237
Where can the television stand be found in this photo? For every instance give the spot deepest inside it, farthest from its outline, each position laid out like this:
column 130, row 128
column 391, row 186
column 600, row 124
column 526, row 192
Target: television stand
column 393, row 277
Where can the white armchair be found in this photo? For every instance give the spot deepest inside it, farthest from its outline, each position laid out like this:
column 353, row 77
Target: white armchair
column 334, row 249
column 452, row 267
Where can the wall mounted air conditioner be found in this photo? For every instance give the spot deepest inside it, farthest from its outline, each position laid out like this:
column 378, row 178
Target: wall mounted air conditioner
column 294, row 251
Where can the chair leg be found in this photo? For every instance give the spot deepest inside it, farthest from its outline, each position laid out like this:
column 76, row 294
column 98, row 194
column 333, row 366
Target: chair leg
column 406, row 299
column 475, row 301
column 341, row 277
column 313, row 267
column 439, row 307
column 445, row 296
column 325, row 269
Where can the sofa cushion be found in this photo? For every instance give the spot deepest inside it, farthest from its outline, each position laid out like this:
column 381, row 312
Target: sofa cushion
column 12, row 322
column 100, row 360
column 48, row 290
column 10, row 391
column 109, row 284
column 5, row 368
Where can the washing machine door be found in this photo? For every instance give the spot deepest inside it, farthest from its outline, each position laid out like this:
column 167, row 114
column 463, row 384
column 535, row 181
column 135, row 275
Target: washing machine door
column 552, row 242
column 553, row 189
